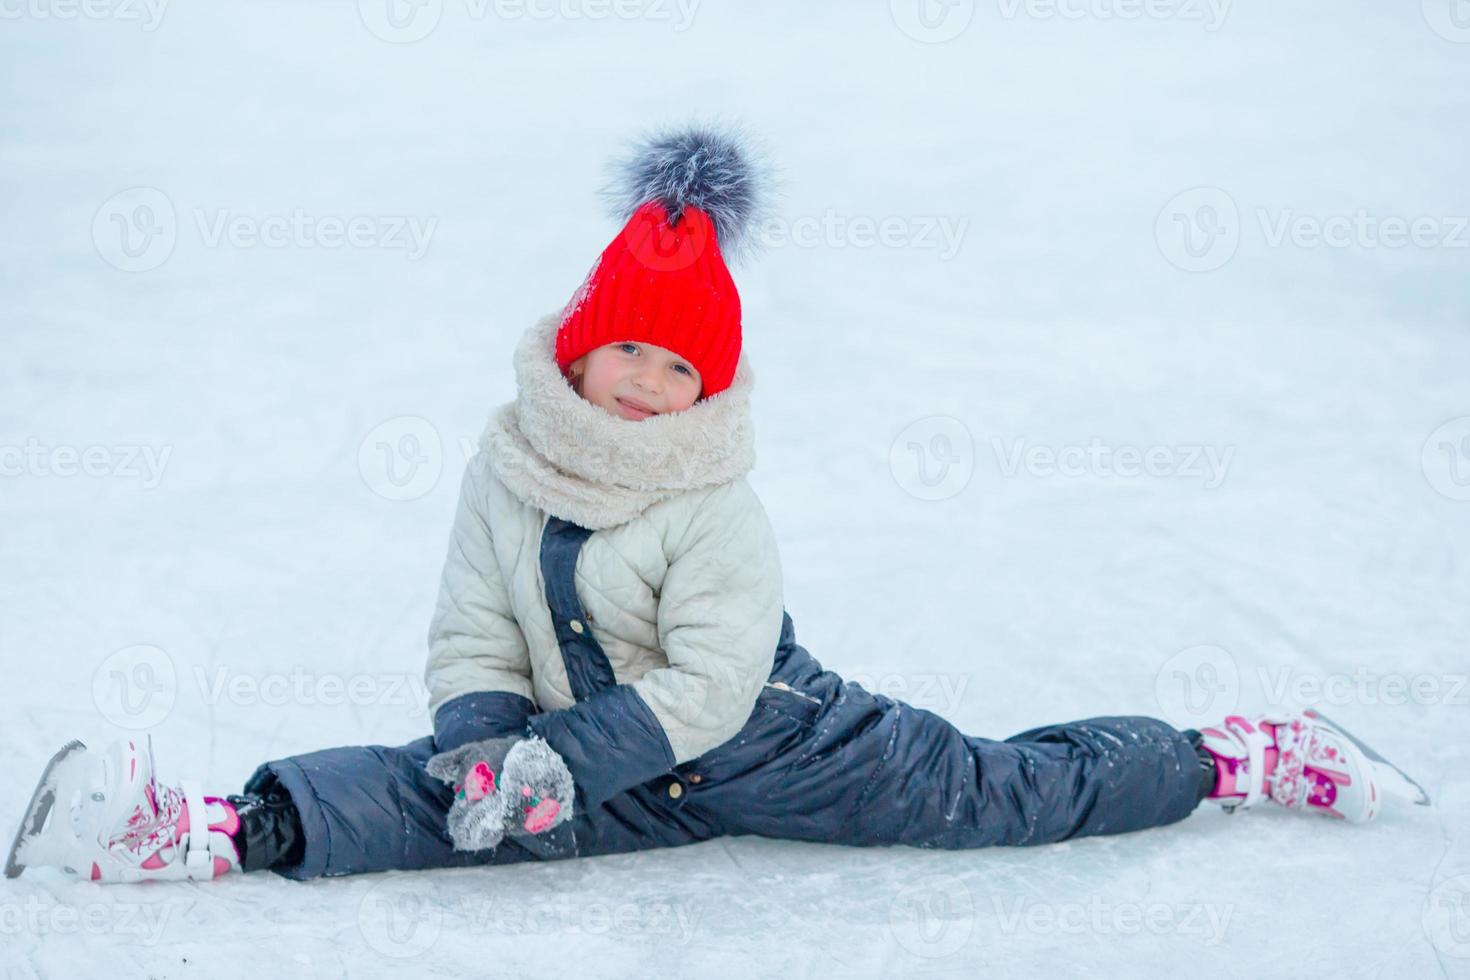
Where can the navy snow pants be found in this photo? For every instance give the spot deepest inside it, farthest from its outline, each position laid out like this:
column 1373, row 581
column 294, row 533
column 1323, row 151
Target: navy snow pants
column 819, row 760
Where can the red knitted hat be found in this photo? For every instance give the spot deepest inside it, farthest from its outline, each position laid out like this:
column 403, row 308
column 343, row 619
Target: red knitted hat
column 690, row 197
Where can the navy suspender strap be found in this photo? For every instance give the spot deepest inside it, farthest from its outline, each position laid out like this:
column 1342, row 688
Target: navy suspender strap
column 588, row 669
column 610, row 739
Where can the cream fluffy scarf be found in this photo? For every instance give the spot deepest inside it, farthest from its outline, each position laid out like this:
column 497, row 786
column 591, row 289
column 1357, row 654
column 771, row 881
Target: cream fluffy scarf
column 558, row 452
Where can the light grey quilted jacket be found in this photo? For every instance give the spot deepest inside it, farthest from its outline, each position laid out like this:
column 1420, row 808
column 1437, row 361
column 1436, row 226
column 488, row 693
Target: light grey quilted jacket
column 680, row 580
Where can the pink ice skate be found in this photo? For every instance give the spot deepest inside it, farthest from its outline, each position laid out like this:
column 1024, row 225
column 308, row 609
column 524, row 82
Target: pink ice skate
column 1301, row 761
column 103, row 816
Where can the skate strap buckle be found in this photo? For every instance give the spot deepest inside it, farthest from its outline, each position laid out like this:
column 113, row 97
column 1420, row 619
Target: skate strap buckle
column 1256, row 742
column 199, row 859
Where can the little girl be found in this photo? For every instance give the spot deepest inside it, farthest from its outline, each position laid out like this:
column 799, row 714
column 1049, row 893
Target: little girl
column 611, row 666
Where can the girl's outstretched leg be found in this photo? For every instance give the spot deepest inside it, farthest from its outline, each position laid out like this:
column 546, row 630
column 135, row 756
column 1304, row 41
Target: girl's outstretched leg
column 102, row 816
column 940, row 788
column 376, row 808
column 832, row 762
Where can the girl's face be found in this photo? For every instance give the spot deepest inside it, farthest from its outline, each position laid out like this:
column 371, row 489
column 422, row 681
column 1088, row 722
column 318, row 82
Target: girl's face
column 634, row 380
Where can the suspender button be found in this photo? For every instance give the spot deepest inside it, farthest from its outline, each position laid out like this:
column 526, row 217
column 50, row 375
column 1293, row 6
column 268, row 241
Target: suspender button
column 576, row 626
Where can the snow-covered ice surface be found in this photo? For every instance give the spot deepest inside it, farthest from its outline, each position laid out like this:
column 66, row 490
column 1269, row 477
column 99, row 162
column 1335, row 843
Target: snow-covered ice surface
column 259, row 591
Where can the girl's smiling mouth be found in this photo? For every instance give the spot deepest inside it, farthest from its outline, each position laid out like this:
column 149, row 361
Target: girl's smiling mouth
column 635, row 409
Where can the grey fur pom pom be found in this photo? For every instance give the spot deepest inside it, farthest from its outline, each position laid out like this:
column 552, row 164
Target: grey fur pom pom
column 717, row 168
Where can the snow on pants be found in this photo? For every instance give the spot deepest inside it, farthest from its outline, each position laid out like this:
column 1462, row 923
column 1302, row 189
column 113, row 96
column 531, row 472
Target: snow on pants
column 820, row 759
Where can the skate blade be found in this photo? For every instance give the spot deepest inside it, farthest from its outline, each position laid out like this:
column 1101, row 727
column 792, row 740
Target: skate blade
column 1393, row 779
column 39, row 808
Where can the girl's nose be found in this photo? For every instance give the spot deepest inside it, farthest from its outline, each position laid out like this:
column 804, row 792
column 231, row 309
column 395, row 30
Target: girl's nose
column 647, row 380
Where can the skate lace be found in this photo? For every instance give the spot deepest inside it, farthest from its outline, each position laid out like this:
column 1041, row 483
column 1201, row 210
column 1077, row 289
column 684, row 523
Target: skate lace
column 153, row 825
column 1296, row 746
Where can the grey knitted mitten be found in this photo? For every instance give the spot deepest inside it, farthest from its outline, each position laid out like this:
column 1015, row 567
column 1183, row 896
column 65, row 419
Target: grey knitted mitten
column 511, row 785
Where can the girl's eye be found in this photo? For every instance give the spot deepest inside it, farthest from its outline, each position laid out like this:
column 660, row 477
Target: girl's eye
column 685, row 370
column 629, row 348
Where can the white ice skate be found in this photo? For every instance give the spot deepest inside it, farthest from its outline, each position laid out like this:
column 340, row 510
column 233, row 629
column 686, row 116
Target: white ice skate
column 1303, row 761
column 102, row 816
